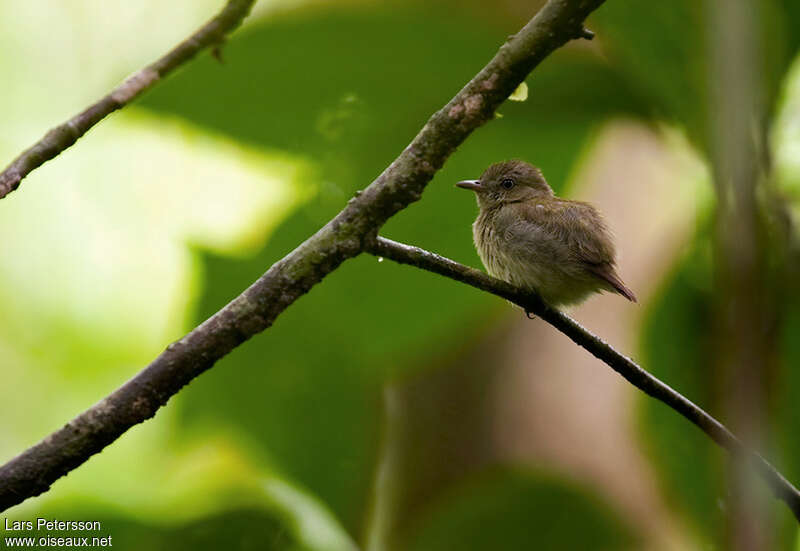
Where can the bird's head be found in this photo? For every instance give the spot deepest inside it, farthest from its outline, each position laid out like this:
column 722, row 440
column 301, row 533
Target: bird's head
column 508, row 182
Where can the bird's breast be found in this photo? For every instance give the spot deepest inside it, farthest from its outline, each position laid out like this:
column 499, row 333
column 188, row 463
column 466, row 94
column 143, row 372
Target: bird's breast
column 530, row 256
column 492, row 246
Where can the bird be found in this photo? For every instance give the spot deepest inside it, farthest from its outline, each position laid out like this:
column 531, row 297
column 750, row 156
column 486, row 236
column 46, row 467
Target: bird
column 560, row 249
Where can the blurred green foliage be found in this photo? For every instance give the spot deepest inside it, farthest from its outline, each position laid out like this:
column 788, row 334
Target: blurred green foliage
column 661, row 48
column 235, row 529
column 345, row 89
column 512, row 510
column 678, row 342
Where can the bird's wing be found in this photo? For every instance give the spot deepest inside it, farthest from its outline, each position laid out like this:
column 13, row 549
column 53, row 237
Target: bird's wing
column 577, row 225
column 582, row 229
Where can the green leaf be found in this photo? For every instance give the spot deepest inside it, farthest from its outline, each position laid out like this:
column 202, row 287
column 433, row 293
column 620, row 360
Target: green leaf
column 520, row 93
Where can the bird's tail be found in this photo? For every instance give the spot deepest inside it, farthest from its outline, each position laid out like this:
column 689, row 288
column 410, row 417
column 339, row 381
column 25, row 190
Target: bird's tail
column 610, row 276
column 624, row 291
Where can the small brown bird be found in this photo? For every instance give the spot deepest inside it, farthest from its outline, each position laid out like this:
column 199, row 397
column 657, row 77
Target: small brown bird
column 527, row 236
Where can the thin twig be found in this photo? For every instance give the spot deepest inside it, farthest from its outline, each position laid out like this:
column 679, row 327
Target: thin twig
column 638, row 377
column 344, row 237
column 64, row 135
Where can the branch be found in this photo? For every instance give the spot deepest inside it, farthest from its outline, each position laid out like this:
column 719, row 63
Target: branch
column 638, row 377
column 63, row 136
column 747, row 309
column 344, row 237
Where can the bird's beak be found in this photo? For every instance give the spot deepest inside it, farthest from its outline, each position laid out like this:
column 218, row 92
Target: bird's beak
column 474, row 185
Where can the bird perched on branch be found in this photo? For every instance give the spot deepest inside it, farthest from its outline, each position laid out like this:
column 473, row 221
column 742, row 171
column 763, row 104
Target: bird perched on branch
column 527, row 236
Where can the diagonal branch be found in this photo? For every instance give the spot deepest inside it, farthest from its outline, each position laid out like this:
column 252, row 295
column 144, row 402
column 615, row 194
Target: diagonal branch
column 64, row 135
column 638, row 377
column 344, row 237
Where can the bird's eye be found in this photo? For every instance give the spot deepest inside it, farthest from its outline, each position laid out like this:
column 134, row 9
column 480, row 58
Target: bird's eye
column 507, row 183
